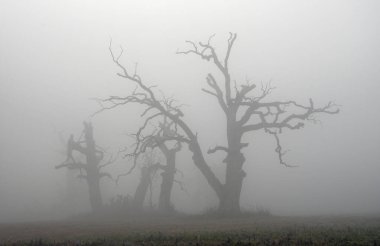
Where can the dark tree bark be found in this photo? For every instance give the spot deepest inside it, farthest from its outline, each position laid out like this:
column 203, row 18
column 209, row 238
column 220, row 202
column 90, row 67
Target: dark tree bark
column 245, row 111
column 92, row 167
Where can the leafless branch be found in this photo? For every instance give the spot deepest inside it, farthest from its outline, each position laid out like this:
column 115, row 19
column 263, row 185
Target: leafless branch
column 231, row 41
column 217, row 148
column 110, row 160
column 208, row 53
column 291, row 121
column 105, row 174
column 181, row 185
column 278, row 149
column 204, row 53
column 218, row 92
column 71, row 165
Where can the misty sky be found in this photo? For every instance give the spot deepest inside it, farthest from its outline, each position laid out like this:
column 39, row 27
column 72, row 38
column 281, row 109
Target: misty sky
column 54, row 59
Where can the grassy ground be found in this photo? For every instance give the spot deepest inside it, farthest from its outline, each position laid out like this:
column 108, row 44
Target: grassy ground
column 197, row 230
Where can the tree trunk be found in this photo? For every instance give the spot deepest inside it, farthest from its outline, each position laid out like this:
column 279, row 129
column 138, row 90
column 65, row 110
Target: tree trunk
column 165, row 204
column 94, row 190
column 142, row 188
column 201, row 164
column 230, row 201
column 93, row 157
column 93, row 175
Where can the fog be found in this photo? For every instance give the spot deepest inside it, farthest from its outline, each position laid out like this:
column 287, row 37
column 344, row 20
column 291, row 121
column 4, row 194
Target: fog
column 55, row 60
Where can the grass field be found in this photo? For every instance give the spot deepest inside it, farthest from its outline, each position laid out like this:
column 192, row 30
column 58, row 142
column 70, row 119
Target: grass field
column 197, row 230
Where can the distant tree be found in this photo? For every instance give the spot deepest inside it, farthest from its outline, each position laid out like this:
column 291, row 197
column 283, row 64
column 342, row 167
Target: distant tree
column 74, row 186
column 160, row 138
column 90, row 170
column 245, row 111
column 148, row 168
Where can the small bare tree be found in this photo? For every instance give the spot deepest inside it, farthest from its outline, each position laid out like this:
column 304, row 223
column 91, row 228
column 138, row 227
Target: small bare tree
column 161, row 138
column 245, row 112
column 148, row 168
column 92, row 165
column 74, row 186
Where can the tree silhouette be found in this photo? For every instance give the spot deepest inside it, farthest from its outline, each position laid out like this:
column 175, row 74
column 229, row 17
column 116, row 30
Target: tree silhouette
column 92, row 165
column 148, row 169
column 245, row 111
column 161, row 138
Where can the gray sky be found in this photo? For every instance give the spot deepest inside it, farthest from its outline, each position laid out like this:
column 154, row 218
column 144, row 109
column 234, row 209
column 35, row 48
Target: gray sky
column 54, row 58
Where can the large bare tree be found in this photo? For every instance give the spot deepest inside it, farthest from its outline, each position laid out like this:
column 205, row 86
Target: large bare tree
column 245, row 108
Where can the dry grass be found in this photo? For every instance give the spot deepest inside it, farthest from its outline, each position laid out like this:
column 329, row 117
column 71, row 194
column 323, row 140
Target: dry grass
column 159, row 230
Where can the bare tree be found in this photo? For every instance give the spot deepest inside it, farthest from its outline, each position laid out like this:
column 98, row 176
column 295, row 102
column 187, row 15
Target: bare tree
column 257, row 114
column 162, row 139
column 272, row 117
column 92, row 165
column 74, row 186
column 148, row 170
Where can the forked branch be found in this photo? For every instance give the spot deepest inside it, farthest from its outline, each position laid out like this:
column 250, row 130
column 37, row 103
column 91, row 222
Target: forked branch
column 280, row 117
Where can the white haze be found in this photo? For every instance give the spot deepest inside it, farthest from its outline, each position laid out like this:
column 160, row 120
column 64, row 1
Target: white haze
column 54, row 58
